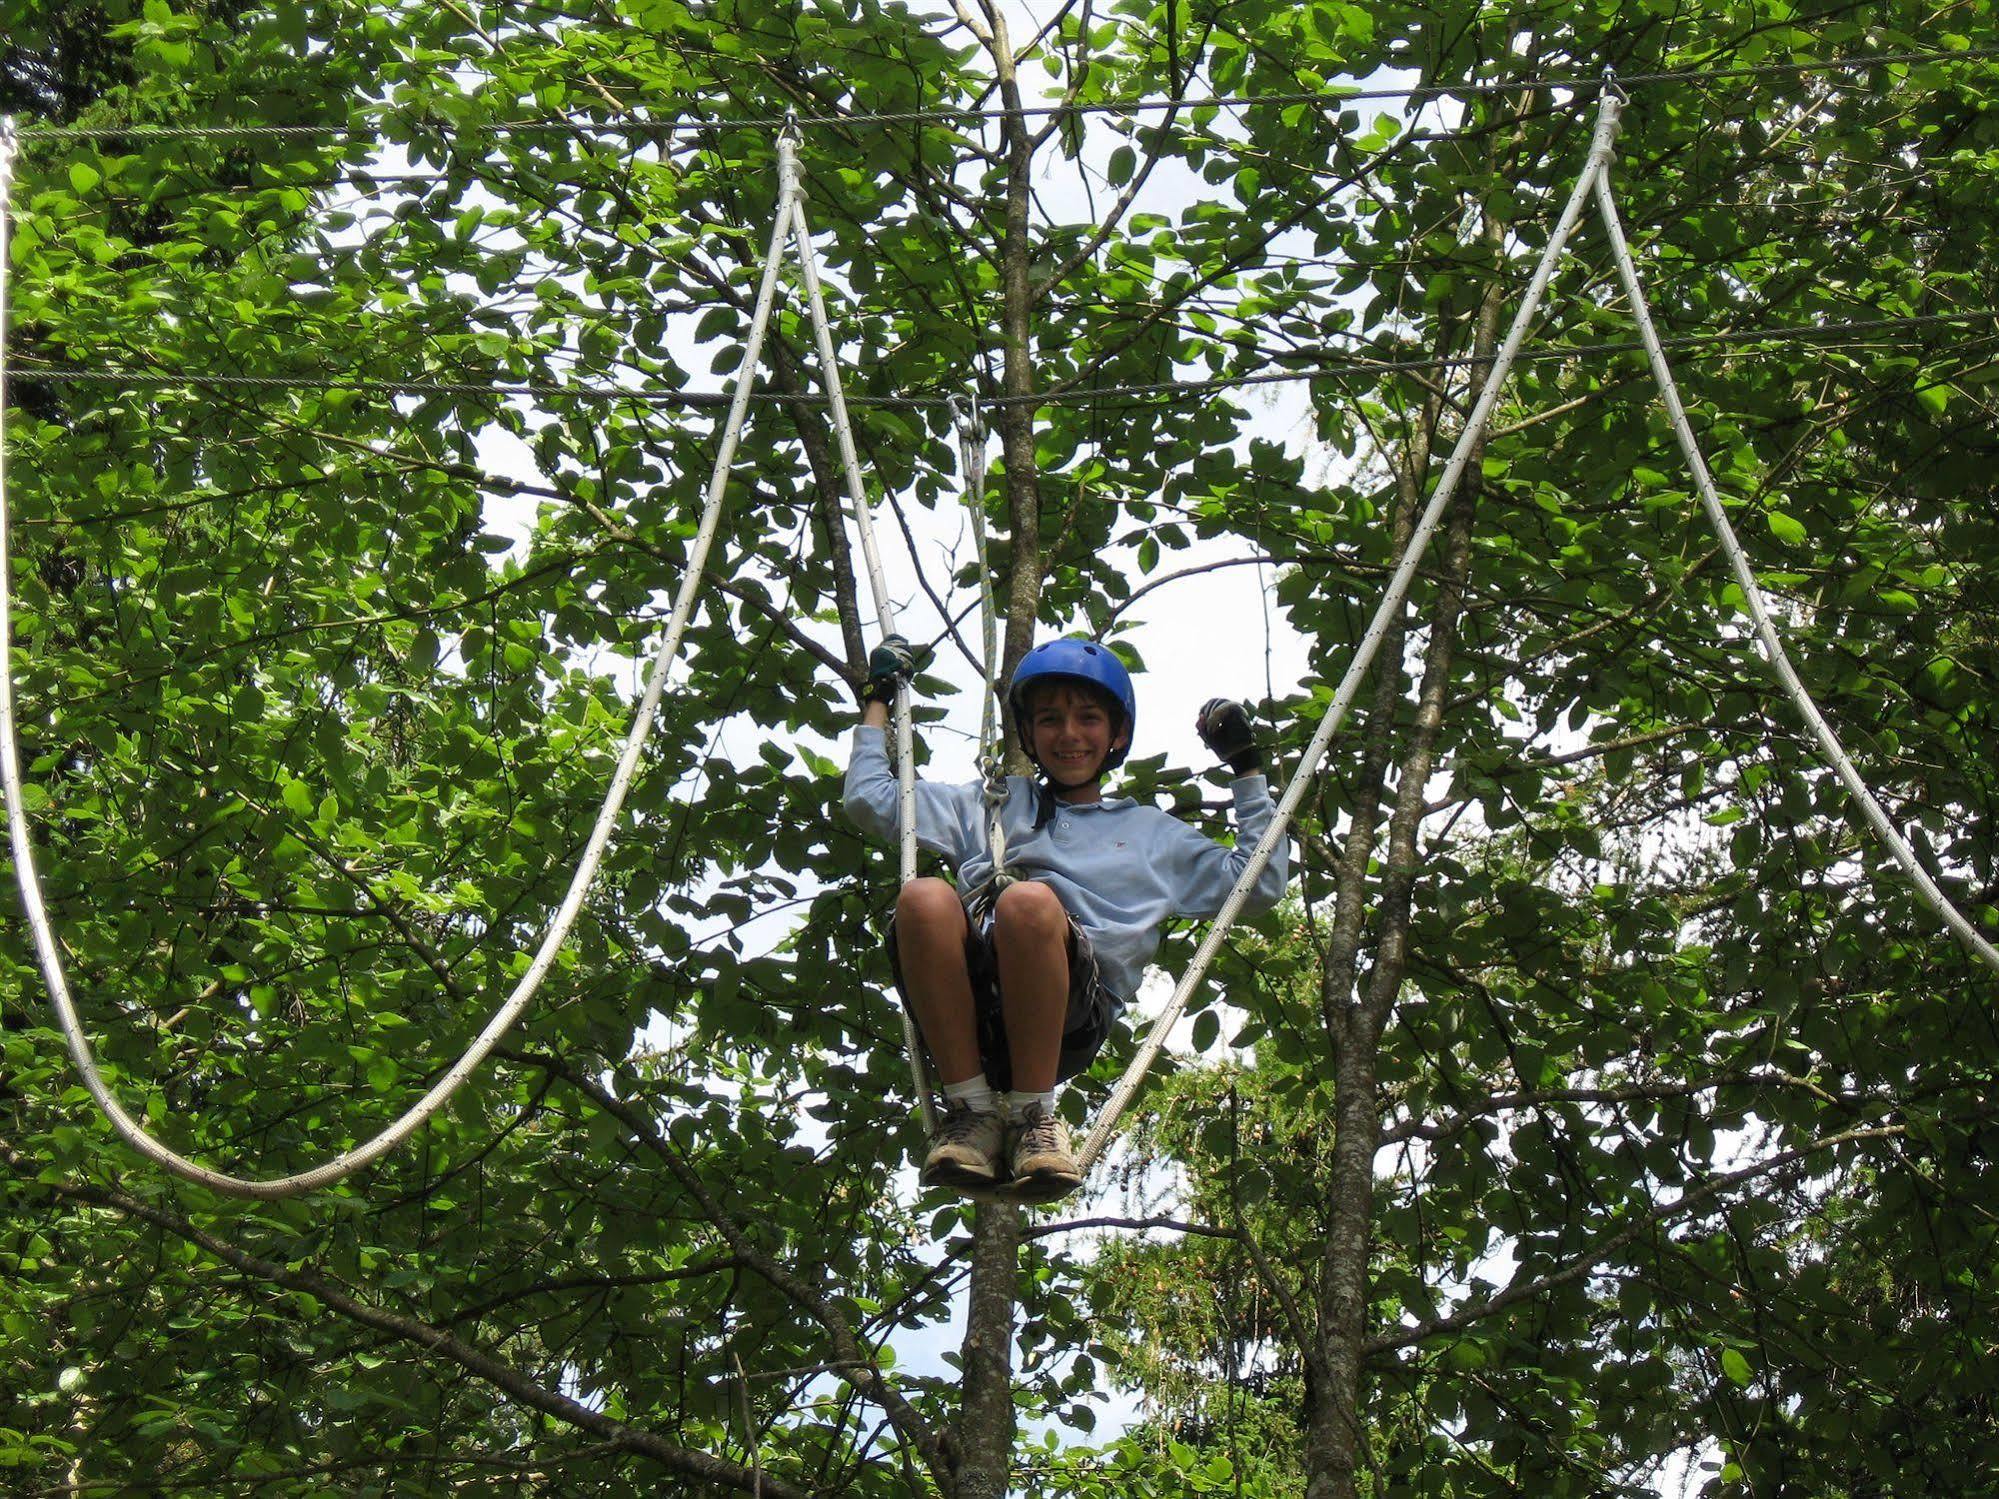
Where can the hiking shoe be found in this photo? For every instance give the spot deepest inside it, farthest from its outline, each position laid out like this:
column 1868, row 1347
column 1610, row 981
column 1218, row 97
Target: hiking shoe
column 965, row 1150
column 1044, row 1167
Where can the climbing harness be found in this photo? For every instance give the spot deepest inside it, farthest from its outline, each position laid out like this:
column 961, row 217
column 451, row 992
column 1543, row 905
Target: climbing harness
column 790, row 225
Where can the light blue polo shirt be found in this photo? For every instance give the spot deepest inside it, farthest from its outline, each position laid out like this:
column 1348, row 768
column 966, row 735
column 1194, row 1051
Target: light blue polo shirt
column 1122, row 870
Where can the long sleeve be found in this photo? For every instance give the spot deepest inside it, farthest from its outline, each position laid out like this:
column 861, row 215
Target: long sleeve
column 1203, row 872
column 947, row 817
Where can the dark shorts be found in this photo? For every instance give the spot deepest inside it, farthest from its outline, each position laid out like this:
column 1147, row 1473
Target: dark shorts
column 1085, row 1030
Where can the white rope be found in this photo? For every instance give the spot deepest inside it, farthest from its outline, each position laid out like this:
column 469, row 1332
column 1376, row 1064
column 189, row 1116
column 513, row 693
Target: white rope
column 992, row 754
column 1608, row 112
column 792, row 211
column 46, row 947
column 972, row 472
column 1759, row 614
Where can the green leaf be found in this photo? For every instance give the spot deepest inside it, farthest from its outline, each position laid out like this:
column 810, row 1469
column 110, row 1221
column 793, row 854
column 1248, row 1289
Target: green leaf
column 1786, row 529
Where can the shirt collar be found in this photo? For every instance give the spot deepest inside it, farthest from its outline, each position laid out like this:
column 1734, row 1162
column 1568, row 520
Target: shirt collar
column 1101, row 804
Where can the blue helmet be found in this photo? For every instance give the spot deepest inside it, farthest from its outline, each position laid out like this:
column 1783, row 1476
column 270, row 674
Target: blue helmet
column 1079, row 661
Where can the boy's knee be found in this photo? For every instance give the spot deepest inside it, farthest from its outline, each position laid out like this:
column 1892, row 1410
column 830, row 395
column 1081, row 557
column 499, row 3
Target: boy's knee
column 1029, row 910
column 929, row 903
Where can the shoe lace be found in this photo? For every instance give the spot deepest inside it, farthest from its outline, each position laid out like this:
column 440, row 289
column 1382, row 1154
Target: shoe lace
column 1038, row 1132
column 959, row 1125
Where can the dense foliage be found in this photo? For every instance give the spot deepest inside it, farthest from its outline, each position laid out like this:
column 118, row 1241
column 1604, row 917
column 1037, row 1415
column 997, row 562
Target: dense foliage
column 1606, row 1103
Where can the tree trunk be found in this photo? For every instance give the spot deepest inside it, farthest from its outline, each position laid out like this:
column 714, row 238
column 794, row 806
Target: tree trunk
column 1016, row 414
column 985, row 1416
column 985, row 1422
column 1336, row 1442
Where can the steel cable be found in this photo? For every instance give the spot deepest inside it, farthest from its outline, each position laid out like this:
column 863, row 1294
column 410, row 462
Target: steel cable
column 1072, row 395
column 1416, row 93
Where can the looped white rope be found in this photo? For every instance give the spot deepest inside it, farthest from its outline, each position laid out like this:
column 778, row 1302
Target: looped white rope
column 1767, row 637
column 46, row 947
column 791, row 221
column 1608, row 112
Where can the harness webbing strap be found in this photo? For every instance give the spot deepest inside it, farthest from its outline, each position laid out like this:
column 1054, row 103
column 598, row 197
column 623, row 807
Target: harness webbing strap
column 46, row 947
column 1601, row 142
column 1767, row 638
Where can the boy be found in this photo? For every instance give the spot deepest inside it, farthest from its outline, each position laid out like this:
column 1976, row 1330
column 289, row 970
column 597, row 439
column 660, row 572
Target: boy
column 1015, row 986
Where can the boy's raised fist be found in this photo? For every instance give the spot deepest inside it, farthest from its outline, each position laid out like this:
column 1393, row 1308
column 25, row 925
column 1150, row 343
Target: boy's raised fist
column 1224, row 728
column 890, row 664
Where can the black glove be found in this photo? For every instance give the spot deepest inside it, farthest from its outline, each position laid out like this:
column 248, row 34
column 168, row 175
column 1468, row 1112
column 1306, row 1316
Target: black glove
column 890, row 664
column 1224, row 728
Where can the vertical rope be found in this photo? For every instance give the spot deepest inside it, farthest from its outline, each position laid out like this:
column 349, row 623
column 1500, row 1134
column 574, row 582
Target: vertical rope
column 46, row 948
column 992, row 755
column 972, row 472
column 1609, row 110
column 792, row 213
column 1767, row 638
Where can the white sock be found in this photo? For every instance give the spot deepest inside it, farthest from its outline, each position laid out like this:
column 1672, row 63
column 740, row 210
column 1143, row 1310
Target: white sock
column 974, row 1093
column 1017, row 1104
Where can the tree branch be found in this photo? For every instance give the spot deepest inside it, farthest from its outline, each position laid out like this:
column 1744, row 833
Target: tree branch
column 863, row 1372
column 481, row 1365
column 1786, row 1162
column 1502, row 1103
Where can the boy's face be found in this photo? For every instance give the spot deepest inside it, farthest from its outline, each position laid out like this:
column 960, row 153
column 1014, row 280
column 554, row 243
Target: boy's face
column 1072, row 730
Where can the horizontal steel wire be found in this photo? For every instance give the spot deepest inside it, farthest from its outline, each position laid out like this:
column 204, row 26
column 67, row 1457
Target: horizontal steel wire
column 1064, row 396
column 1321, row 98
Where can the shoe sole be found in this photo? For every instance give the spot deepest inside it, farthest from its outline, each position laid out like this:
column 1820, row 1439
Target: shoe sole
column 1044, row 1186
column 956, row 1175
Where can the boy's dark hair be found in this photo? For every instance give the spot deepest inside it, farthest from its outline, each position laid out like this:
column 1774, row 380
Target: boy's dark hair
column 1034, row 691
